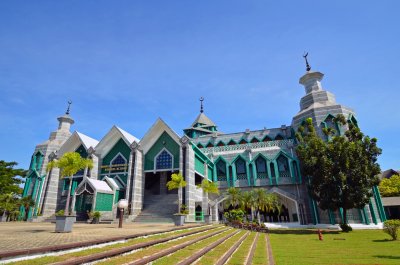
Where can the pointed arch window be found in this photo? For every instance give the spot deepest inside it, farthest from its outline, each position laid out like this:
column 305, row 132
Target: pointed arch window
column 254, row 140
column 220, row 143
column 119, row 164
column 243, row 141
column 261, row 167
column 221, row 170
column 164, row 160
column 210, row 145
column 279, row 137
column 283, row 166
column 200, row 145
column 267, row 139
column 240, row 169
column 231, row 142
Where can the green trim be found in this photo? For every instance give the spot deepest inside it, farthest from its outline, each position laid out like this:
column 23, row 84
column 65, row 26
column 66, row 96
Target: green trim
column 372, row 211
column 378, row 201
column 164, row 141
column 341, row 213
column 331, row 217
column 366, row 218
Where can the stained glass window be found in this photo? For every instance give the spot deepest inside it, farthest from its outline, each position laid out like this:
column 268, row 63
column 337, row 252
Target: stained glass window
column 164, row 160
column 261, row 165
column 221, row 169
column 240, row 166
column 119, row 164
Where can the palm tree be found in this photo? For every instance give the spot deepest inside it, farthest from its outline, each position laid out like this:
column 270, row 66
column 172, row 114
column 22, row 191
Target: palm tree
column 7, row 204
column 233, row 197
column 208, row 187
column 272, row 203
column 177, row 182
column 247, row 202
column 27, row 202
column 70, row 163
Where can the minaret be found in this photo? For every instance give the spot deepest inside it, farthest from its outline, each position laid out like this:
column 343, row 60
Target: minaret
column 42, row 185
column 202, row 125
column 318, row 103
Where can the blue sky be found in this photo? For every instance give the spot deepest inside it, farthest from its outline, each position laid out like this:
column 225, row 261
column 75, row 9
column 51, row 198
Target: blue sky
column 129, row 62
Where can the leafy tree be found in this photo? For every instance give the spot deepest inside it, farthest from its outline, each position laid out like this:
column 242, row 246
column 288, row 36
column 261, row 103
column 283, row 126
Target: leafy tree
column 247, row 202
column 208, row 187
column 233, row 195
column 265, row 202
column 70, row 163
column 177, row 182
column 10, row 177
column 341, row 170
column 390, row 187
column 8, row 203
column 27, row 202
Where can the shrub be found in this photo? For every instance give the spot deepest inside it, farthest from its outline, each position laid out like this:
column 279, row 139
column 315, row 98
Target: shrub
column 184, row 209
column 346, row 228
column 60, row 213
column 97, row 215
column 234, row 215
column 390, row 227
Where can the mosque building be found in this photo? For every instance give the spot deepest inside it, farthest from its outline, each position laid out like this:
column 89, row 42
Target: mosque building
column 126, row 167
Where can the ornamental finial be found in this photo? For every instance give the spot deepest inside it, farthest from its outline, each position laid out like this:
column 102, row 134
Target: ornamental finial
column 308, row 67
column 201, row 104
column 69, row 105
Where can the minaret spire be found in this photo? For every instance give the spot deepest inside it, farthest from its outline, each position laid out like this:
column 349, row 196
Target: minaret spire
column 308, row 67
column 201, row 105
column 69, row 105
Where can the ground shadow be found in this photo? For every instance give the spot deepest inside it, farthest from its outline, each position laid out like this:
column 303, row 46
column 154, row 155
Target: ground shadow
column 36, row 231
column 302, row 231
column 382, row 240
column 386, row 257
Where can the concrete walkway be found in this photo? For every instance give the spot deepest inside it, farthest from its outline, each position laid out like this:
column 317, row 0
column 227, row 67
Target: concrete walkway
column 22, row 235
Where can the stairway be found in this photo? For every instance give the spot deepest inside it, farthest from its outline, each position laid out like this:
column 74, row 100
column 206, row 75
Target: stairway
column 158, row 208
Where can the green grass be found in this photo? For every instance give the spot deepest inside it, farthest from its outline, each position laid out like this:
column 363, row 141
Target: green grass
column 52, row 259
column 261, row 254
column 357, row 247
column 240, row 255
column 215, row 254
column 155, row 249
column 189, row 250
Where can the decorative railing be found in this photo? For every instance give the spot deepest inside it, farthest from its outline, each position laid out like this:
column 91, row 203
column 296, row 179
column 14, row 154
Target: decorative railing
column 262, row 175
column 221, row 178
column 237, row 147
column 241, row 176
column 284, row 174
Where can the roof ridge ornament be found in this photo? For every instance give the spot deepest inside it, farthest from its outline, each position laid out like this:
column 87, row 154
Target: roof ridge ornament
column 69, row 105
column 201, row 104
column 308, row 67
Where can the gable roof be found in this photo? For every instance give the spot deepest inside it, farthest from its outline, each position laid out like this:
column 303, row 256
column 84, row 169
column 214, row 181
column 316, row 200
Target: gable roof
column 111, row 138
column 155, row 132
column 74, row 141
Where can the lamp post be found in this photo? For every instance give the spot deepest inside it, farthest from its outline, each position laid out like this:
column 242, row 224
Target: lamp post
column 122, row 205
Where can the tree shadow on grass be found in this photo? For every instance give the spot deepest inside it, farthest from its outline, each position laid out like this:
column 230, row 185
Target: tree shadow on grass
column 382, row 240
column 386, row 257
column 302, row 232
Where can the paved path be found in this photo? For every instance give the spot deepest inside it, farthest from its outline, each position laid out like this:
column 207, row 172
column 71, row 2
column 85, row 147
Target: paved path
column 22, row 235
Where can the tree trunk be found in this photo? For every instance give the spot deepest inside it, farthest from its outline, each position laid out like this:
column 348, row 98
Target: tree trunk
column 179, row 199
column 252, row 214
column 66, row 210
column 26, row 213
column 258, row 217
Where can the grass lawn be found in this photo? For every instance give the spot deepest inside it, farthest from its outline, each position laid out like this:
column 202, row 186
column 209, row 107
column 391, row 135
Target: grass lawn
column 357, row 247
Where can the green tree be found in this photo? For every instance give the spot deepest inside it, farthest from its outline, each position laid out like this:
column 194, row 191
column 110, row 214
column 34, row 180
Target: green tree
column 390, row 187
column 233, row 197
column 177, row 182
column 10, row 177
column 8, row 203
column 70, row 163
column 247, row 203
column 342, row 170
column 27, row 202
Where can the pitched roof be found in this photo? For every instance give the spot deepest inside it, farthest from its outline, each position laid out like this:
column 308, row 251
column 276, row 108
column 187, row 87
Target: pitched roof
column 129, row 137
column 100, row 185
column 87, row 141
column 203, row 119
